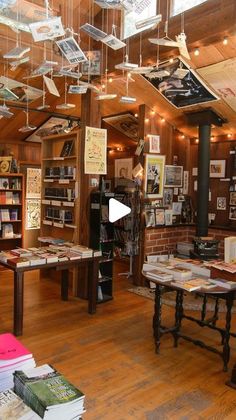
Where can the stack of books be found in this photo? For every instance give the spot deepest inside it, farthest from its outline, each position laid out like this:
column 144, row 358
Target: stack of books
column 194, row 284
column 83, row 251
column 13, row 356
column 49, row 393
column 13, row 407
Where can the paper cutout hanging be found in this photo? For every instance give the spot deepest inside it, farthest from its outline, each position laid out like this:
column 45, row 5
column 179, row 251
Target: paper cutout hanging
column 44, row 68
column 77, row 89
column 15, row 64
column 71, row 50
column 113, row 42
column 17, row 52
column 168, row 42
column 47, row 29
column 93, row 64
column 69, row 73
column 93, row 32
column 51, row 86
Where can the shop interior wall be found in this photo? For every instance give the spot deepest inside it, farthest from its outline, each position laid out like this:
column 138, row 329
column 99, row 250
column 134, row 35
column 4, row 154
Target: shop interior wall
column 219, row 150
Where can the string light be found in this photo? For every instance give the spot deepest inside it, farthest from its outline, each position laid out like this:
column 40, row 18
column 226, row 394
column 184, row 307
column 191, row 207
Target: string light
column 225, row 41
column 229, row 135
column 212, row 137
column 196, row 52
column 136, row 115
column 162, row 119
column 146, row 120
column 110, row 80
column 152, row 113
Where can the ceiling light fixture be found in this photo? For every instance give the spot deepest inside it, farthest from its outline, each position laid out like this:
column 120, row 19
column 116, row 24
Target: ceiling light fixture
column 229, row 135
column 196, row 52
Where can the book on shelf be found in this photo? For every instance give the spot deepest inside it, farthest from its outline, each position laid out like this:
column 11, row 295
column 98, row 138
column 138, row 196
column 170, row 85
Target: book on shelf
column 7, row 231
column 49, row 393
column 14, row 214
column 4, row 215
column 13, row 407
column 4, row 183
column 67, row 148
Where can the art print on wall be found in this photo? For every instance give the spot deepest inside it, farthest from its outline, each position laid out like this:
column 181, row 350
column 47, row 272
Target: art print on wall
column 173, row 176
column 95, row 153
column 154, row 143
column 232, row 213
column 33, row 183
column 221, row 203
column 217, row 168
column 33, row 212
column 154, row 176
column 123, row 171
column 167, row 197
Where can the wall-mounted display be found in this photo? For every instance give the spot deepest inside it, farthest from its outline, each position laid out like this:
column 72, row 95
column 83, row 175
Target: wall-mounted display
column 217, row 168
column 173, row 176
column 154, row 175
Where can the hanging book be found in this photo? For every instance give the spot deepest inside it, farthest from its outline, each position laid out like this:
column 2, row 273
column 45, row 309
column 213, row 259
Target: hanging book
column 51, row 86
column 113, row 42
column 47, row 29
column 71, row 50
column 93, row 32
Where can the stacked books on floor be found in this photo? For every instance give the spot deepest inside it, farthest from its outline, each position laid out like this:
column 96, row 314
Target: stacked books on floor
column 13, row 356
column 21, row 257
column 13, row 407
column 49, row 393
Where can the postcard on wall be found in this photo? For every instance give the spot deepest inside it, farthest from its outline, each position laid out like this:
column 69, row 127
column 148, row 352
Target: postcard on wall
column 173, row 176
column 123, row 171
column 71, row 50
column 95, row 153
column 154, row 143
column 47, row 29
column 221, row 203
column 33, row 214
column 185, row 182
column 33, row 183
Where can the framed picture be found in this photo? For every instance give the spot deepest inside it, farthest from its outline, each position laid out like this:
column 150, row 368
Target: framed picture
column 52, row 126
column 123, row 171
column 107, row 184
column 154, row 176
column 125, row 123
column 221, row 202
column 168, row 217
column 232, row 213
column 167, row 197
column 232, row 199
column 5, row 164
column 160, row 216
column 154, row 143
column 150, row 217
column 173, row 176
column 217, row 168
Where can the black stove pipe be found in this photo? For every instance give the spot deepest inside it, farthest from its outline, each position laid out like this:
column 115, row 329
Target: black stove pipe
column 203, row 179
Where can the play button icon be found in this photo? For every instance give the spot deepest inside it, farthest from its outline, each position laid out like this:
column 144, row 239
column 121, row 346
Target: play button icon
column 117, row 210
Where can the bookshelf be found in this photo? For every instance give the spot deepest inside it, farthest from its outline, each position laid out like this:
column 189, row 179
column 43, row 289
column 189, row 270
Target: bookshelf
column 60, row 186
column 102, row 238
column 11, row 210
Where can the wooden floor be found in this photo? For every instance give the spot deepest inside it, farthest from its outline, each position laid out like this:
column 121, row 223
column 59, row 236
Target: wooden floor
column 110, row 356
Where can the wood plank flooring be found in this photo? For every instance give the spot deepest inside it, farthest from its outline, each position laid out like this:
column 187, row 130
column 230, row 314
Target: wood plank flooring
column 110, row 355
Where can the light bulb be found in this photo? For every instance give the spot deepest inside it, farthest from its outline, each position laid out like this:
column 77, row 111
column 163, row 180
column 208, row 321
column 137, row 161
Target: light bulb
column 225, row 41
column 146, row 120
column 229, row 135
column 171, row 60
column 136, row 115
column 196, row 51
column 162, row 120
column 110, row 80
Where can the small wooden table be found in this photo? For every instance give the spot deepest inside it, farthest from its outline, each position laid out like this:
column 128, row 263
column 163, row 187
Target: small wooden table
column 93, row 267
column 218, row 292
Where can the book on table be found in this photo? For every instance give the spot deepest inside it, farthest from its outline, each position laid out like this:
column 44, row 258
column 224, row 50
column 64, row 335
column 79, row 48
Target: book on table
column 49, row 393
column 13, row 407
column 19, row 262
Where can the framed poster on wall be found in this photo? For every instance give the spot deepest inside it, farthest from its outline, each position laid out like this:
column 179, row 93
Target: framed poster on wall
column 154, row 175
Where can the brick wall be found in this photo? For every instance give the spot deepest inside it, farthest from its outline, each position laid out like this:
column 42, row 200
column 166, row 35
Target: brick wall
column 158, row 240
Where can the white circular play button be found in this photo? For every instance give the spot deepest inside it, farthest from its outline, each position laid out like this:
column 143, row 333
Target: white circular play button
column 117, row 210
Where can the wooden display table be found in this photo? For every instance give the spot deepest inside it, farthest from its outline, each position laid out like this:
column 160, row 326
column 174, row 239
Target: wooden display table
column 218, row 292
column 93, row 266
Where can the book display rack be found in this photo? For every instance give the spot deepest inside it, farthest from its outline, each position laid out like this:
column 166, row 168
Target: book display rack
column 60, row 189
column 102, row 238
column 11, row 210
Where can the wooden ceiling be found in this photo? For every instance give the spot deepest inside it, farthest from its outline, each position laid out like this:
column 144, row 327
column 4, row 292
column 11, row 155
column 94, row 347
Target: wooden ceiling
column 205, row 27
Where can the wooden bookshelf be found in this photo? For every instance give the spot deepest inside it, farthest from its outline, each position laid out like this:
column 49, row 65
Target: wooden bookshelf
column 12, row 213
column 60, row 187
